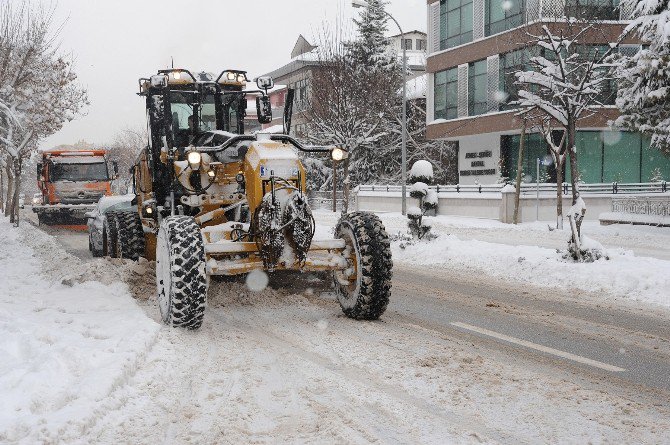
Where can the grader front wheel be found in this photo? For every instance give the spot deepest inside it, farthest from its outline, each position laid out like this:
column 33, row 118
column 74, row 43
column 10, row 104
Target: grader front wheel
column 364, row 288
column 181, row 276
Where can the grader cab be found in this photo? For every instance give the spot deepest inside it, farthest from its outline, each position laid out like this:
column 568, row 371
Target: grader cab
column 212, row 200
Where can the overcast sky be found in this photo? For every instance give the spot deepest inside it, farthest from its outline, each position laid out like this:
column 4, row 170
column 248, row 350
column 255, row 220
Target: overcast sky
column 114, row 43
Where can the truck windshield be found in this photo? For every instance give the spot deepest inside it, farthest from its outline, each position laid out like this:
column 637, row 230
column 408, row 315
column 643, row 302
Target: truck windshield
column 79, row 172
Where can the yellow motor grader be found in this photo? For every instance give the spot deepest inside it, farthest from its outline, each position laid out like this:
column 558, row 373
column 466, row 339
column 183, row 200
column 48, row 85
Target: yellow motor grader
column 212, row 200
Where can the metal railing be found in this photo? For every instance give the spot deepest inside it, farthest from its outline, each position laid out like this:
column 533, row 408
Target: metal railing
column 613, row 188
column 642, row 205
column 323, row 200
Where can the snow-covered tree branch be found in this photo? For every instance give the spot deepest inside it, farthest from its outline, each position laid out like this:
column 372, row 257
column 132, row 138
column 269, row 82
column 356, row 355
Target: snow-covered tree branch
column 644, row 88
column 38, row 90
column 566, row 79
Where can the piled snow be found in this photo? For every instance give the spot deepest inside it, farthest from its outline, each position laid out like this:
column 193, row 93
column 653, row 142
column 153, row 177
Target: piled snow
column 418, row 188
column 414, row 211
column 432, row 198
column 633, row 218
column 65, row 344
column 521, row 253
column 421, row 171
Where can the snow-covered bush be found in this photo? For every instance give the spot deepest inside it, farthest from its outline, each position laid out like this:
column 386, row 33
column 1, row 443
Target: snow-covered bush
column 421, row 175
column 422, row 171
column 418, row 190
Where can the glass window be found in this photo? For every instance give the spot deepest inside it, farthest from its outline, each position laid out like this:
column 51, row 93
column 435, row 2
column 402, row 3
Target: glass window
column 501, row 15
column 79, row 172
column 592, row 9
column 621, row 156
column 590, row 151
column 446, row 94
column 441, row 95
column 534, row 148
column 455, row 23
column 421, row 44
column 510, row 64
column 655, row 163
column 477, row 88
column 408, row 44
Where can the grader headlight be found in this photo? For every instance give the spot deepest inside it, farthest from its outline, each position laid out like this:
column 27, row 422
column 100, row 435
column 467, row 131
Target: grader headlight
column 194, row 160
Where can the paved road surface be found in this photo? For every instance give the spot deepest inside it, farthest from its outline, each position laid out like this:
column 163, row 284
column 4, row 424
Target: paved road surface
column 618, row 350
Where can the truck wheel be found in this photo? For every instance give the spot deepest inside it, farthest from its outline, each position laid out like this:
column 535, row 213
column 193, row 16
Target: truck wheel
column 111, row 235
column 130, row 236
column 181, row 276
column 97, row 253
column 364, row 288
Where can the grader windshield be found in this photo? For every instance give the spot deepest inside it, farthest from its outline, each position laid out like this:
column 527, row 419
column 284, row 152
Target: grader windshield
column 194, row 113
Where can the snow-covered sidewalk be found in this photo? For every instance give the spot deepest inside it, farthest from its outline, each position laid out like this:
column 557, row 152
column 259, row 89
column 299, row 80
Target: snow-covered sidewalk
column 531, row 253
column 65, row 344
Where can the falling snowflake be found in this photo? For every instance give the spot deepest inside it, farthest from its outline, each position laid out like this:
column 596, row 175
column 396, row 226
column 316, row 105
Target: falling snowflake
column 506, row 5
column 611, row 137
column 257, row 280
column 500, row 96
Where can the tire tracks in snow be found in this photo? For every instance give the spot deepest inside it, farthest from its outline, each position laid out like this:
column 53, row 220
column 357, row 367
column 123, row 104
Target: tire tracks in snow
column 458, row 424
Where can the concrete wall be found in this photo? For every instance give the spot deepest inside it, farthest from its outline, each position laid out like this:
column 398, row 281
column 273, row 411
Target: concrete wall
column 498, row 206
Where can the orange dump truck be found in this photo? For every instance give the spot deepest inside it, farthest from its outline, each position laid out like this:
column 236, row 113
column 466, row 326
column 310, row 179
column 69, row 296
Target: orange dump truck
column 71, row 183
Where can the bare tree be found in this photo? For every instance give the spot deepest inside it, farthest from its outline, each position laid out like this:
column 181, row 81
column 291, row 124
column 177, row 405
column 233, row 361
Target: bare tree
column 38, row 92
column 564, row 84
column 124, row 150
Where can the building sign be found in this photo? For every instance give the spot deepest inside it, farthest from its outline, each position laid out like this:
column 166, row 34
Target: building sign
column 481, row 154
column 478, row 163
column 486, row 172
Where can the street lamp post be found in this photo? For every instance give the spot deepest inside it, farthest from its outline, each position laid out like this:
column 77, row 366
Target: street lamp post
column 364, row 4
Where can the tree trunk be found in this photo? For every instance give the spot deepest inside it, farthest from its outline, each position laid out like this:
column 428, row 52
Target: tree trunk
column 10, row 187
column 18, row 167
column 575, row 219
column 559, row 162
column 519, row 172
column 574, row 169
column 2, row 190
column 345, row 204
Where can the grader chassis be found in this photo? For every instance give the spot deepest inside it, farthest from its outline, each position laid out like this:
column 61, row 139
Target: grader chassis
column 212, row 200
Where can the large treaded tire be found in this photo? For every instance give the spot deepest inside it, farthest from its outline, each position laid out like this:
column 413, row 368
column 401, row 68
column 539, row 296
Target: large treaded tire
column 181, row 275
column 369, row 290
column 97, row 253
column 130, row 241
column 111, row 230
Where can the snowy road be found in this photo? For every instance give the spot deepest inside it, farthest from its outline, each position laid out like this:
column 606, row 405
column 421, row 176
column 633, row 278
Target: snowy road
column 458, row 357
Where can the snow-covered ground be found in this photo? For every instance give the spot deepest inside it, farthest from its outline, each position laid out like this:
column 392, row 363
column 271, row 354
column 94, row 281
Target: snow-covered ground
column 638, row 267
column 87, row 363
column 67, row 339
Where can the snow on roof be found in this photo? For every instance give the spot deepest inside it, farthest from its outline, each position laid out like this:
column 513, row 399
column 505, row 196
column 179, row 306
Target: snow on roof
column 301, row 46
column 78, row 159
column 253, row 87
column 416, row 31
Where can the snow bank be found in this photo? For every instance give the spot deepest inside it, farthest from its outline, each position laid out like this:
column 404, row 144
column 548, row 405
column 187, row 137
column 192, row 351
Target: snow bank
column 623, row 275
column 66, row 345
column 528, row 253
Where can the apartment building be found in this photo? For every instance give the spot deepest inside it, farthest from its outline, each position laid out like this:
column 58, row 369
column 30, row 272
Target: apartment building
column 474, row 48
column 297, row 74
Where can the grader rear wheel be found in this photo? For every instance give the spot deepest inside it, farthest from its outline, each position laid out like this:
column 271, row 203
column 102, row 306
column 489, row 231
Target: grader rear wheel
column 364, row 289
column 111, row 231
column 181, row 276
column 130, row 240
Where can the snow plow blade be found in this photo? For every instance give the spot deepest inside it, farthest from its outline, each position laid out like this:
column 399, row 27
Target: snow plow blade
column 223, row 257
column 63, row 214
